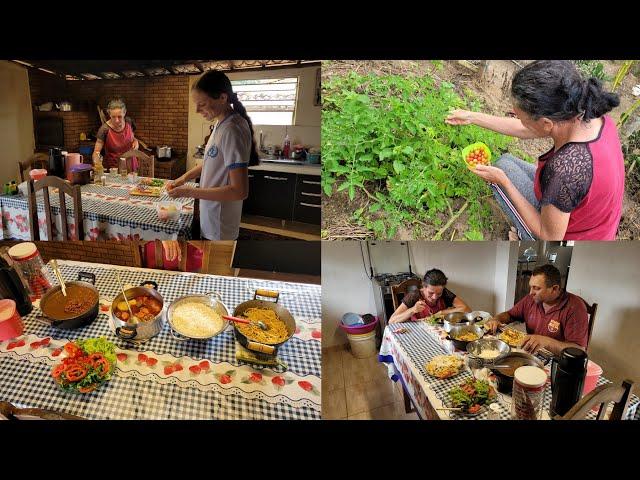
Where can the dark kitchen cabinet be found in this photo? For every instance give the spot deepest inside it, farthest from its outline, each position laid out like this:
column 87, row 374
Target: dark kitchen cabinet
column 307, row 203
column 271, row 194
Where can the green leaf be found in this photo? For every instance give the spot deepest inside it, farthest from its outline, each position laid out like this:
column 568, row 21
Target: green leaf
column 375, row 207
column 407, row 150
column 398, row 166
column 474, row 235
column 344, row 186
column 352, row 192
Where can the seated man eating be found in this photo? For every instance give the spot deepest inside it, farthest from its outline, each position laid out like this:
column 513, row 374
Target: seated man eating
column 433, row 298
column 555, row 318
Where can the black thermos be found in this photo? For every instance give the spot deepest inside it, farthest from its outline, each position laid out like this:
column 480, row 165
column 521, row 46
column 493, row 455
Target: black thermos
column 11, row 287
column 567, row 380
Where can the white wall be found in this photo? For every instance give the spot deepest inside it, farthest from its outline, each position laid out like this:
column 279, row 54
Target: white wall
column 345, row 288
column 16, row 120
column 505, row 275
column 306, row 128
column 608, row 273
column 469, row 266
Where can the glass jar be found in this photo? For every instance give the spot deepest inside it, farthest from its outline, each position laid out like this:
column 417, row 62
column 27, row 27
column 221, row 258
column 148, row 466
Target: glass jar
column 28, row 261
column 528, row 393
column 123, row 168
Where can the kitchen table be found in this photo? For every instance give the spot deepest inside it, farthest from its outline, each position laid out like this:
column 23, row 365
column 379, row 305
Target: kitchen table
column 222, row 387
column 110, row 212
column 406, row 355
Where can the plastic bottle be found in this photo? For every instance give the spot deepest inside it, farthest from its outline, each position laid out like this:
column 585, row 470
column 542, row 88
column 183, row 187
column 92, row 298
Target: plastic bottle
column 286, row 146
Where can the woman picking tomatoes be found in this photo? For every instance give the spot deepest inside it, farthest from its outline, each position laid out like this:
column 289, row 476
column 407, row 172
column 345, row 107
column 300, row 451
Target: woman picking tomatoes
column 575, row 191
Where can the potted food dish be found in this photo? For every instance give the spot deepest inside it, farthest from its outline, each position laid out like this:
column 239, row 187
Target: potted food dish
column 81, row 174
column 197, row 317
column 142, row 318
column 508, row 365
column 488, row 350
column 455, row 318
column 78, row 308
column 280, row 324
column 461, row 335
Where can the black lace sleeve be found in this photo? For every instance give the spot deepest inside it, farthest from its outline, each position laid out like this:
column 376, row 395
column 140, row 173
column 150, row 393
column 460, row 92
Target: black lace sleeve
column 566, row 177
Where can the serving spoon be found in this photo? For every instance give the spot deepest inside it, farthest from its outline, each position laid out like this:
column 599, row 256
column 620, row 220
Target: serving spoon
column 58, row 274
column 124, row 295
column 244, row 320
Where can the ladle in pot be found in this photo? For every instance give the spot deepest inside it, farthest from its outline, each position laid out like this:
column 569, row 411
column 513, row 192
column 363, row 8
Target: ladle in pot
column 58, row 274
column 124, row 295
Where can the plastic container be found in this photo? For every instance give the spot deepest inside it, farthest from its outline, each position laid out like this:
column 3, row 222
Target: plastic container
column 11, row 325
column 37, row 174
column 466, row 150
column 28, row 260
column 168, row 211
column 313, row 158
column 359, row 329
column 363, row 345
column 81, row 174
column 528, row 393
column 594, row 371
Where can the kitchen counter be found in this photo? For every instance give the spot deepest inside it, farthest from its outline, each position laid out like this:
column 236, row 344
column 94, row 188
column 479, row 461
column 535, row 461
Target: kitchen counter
column 303, row 169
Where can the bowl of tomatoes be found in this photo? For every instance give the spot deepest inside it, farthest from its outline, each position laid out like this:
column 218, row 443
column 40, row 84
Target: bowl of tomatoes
column 476, row 154
column 86, row 365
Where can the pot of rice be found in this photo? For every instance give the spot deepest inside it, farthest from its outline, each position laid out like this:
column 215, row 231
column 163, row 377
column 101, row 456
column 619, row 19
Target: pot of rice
column 197, row 317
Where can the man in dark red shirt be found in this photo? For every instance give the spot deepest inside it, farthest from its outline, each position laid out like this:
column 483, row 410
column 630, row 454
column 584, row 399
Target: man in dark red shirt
column 555, row 318
column 433, row 298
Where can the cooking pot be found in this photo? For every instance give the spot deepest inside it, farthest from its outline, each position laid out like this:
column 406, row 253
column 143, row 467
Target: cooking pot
column 515, row 360
column 211, row 299
column 458, row 330
column 282, row 313
column 64, row 107
column 79, row 320
column 137, row 331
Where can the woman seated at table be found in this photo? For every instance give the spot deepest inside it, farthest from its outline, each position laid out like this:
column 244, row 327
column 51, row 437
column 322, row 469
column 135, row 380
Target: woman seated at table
column 231, row 149
column 432, row 299
column 116, row 136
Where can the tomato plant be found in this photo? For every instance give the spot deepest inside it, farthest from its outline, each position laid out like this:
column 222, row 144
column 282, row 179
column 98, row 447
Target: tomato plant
column 386, row 136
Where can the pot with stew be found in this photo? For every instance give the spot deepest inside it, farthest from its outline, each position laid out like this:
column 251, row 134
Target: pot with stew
column 509, row 364
column 142, row 319
column 78, row 308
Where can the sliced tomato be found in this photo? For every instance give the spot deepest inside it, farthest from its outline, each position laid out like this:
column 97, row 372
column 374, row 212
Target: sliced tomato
column 75, row 373
column 88, row 388
column 474, row 408
column 102, row 366
column 57, row 371
column 95, row 358
column 73, row 350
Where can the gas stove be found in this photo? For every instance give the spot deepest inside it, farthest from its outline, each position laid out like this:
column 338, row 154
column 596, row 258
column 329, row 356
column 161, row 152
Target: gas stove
column 388, row 279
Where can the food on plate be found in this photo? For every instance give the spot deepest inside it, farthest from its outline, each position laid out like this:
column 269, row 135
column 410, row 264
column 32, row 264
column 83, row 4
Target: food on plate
column 146, row 190
column 489, row 353
column 88, row 364
column 276, row 329
column 196, row 319
column 467, row 337
column 472, row 395
column 144, row 309
column 152, row 182
column 512, row 337
column 444, row 366
column 79, row 299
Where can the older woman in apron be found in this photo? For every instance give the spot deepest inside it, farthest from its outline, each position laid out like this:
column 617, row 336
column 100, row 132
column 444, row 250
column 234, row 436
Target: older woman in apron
column 117, row 137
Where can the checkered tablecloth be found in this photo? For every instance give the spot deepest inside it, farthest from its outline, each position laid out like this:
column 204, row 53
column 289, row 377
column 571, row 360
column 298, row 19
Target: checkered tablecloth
column 109, row 213
column 29, row 384
column 406, row 355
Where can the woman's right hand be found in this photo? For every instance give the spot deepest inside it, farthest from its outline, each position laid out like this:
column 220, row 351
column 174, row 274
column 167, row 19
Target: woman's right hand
column 459, row 117
column 178, row 182
column 419, row 307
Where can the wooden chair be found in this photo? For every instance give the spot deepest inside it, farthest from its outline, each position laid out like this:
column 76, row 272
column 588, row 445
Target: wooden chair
column 146, row 167
column 64, row 187
column 601, row 396
column 591, row 310
column 405, row 287
column 10, row 412
column 206, row 248
column 40, row 160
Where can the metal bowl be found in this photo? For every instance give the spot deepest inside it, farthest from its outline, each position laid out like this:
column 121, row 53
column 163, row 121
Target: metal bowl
column 453, row 319
column 458, row 330
column 504, row 378
column 211, row 299
column 475, row 349
column 478, row 316
column 137, row 331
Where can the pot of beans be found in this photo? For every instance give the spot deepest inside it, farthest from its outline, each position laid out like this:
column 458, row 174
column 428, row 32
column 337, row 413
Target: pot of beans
column 79, row 307
column 140, row 317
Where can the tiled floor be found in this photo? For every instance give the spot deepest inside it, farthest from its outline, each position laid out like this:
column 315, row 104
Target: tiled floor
column 359, row 389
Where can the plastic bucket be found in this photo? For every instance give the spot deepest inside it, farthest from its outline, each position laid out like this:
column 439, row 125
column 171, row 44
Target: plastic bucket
column 594, row 371
column 11, row 325
column 363, row 345
column 359, row 329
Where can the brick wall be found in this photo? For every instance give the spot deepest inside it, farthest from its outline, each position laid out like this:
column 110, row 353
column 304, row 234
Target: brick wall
column 112, row 253
column 159, row 106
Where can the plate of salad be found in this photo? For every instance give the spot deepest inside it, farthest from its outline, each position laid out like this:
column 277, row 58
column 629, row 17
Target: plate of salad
column 472, row 396
column 87, row 365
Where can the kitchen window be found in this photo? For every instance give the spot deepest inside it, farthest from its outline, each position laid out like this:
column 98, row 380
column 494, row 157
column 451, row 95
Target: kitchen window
column 269, row 101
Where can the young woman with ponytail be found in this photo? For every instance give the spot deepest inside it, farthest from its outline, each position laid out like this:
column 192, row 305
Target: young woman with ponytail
column 231, row 149
column 575, row 191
